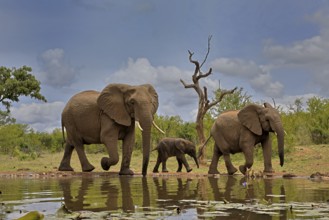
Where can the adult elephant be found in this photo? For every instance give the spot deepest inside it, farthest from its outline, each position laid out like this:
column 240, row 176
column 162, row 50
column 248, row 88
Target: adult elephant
column 240, row 131
column 92, row 117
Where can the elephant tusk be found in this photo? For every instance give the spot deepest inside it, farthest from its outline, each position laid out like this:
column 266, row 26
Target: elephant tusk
column 139, row 125
column 283, row 131
column 157, row 127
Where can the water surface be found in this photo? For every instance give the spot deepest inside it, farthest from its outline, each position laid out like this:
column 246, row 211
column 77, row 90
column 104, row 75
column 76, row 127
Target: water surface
column 165, row 197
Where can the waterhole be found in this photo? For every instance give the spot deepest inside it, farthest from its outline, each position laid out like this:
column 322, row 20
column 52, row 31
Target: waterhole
column 165, row 197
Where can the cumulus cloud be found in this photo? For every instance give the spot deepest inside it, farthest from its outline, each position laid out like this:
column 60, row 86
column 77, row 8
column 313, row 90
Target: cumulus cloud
column 311, row 51
column 166, row 80
column 258, row 76
column 310, row 54
column 135, row 72
column 56, row 71
column 40, row 116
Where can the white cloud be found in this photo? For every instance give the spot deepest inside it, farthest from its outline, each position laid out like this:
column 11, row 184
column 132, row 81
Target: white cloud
column 258, row 76
column 236, row 67
column 135, row 72
column 40, row 116
column 56, row 71
column 311, row 51
column 310, row 54
column 166, row 80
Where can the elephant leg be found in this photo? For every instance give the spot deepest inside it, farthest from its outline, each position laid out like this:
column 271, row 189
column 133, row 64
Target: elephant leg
column 112, row 149
column 267, row 154
column 65, row 164
column 156, row 167
column 127, row 149
column 249, row 157
column 85, row 164
column 214, row 161
column 184, row 161
column 229, row 166
column 180, row 165
column 164, row 165
column 109, row 137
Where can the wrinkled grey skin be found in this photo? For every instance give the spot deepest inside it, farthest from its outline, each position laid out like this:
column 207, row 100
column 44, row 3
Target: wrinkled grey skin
column 178, row 147
column 92, row 117
column 240, row 131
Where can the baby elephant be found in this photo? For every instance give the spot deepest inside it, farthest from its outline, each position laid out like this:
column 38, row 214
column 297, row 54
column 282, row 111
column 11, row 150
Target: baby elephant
column 169, row 147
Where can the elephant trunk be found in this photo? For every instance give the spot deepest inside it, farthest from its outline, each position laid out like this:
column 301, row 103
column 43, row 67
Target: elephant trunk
column 146, row 124
column 278, row 128
column 196, row 160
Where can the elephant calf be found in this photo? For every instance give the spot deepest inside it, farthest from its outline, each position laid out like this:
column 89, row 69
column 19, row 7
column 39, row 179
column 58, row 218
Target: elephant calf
column 169, row 147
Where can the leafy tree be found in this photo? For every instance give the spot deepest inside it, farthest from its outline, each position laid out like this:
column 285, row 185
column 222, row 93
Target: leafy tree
column 169, row 124
column 235, row 101
column 11, row 137
column 187, row 131
column 5, row 118
column 52, row 141
column 318, row 109
column 18, row 82
column 297, row 106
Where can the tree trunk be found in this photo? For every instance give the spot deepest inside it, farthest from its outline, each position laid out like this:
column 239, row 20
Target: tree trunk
column 200, row 131
column 204, row 103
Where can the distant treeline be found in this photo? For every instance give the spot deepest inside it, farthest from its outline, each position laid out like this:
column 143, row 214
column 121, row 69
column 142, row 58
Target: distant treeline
column 305, row 123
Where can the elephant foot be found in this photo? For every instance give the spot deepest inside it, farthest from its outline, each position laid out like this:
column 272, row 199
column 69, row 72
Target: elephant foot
column 189, row 170
column 126, row 171
column 232, row 171
column 155, row 171
column 65, row 168
column 105, row 162
column 269, row 171
column 213, row 171
column 243, row 169
column 164, row 171
column 178, row 171
column 88, row 168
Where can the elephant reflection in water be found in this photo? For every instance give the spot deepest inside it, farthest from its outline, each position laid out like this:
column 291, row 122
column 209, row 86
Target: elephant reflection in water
column 77, row 199
column 232, row 194
column 112, row 198
column 253, row 190
column 75, row 202
column 229, row 186
column 166, row 190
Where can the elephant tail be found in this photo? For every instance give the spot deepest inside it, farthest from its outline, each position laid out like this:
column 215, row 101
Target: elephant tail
column 203, row 146
column 63, row 133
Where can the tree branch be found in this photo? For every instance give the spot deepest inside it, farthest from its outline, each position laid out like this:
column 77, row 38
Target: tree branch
column 196, row 63
column 187, row 86
column 206, row 96
column 223, row 93
column 206, row 57
column 204, row 75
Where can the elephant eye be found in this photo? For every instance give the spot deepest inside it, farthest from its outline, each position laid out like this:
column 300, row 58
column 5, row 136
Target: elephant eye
column 131, row 102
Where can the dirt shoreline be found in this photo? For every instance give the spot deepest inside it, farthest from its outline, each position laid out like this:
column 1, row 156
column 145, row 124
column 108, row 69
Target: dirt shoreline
column 61, row 174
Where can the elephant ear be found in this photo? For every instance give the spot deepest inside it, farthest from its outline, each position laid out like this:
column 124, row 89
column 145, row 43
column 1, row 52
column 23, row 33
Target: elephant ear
column 154, row 97
column 180, row 146
column 111, row 101
column 248, row 116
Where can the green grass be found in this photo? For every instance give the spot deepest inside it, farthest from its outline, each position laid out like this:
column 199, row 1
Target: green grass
column 302, row 160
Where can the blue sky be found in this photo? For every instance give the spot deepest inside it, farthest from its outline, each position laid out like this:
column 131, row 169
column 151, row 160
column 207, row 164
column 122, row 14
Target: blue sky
column 273, row 49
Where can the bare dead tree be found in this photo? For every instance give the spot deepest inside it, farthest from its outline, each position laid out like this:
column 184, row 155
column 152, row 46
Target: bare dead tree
column 204, row 103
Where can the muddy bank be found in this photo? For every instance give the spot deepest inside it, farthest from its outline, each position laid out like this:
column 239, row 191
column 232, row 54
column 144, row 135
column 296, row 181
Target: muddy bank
column 60, row 174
